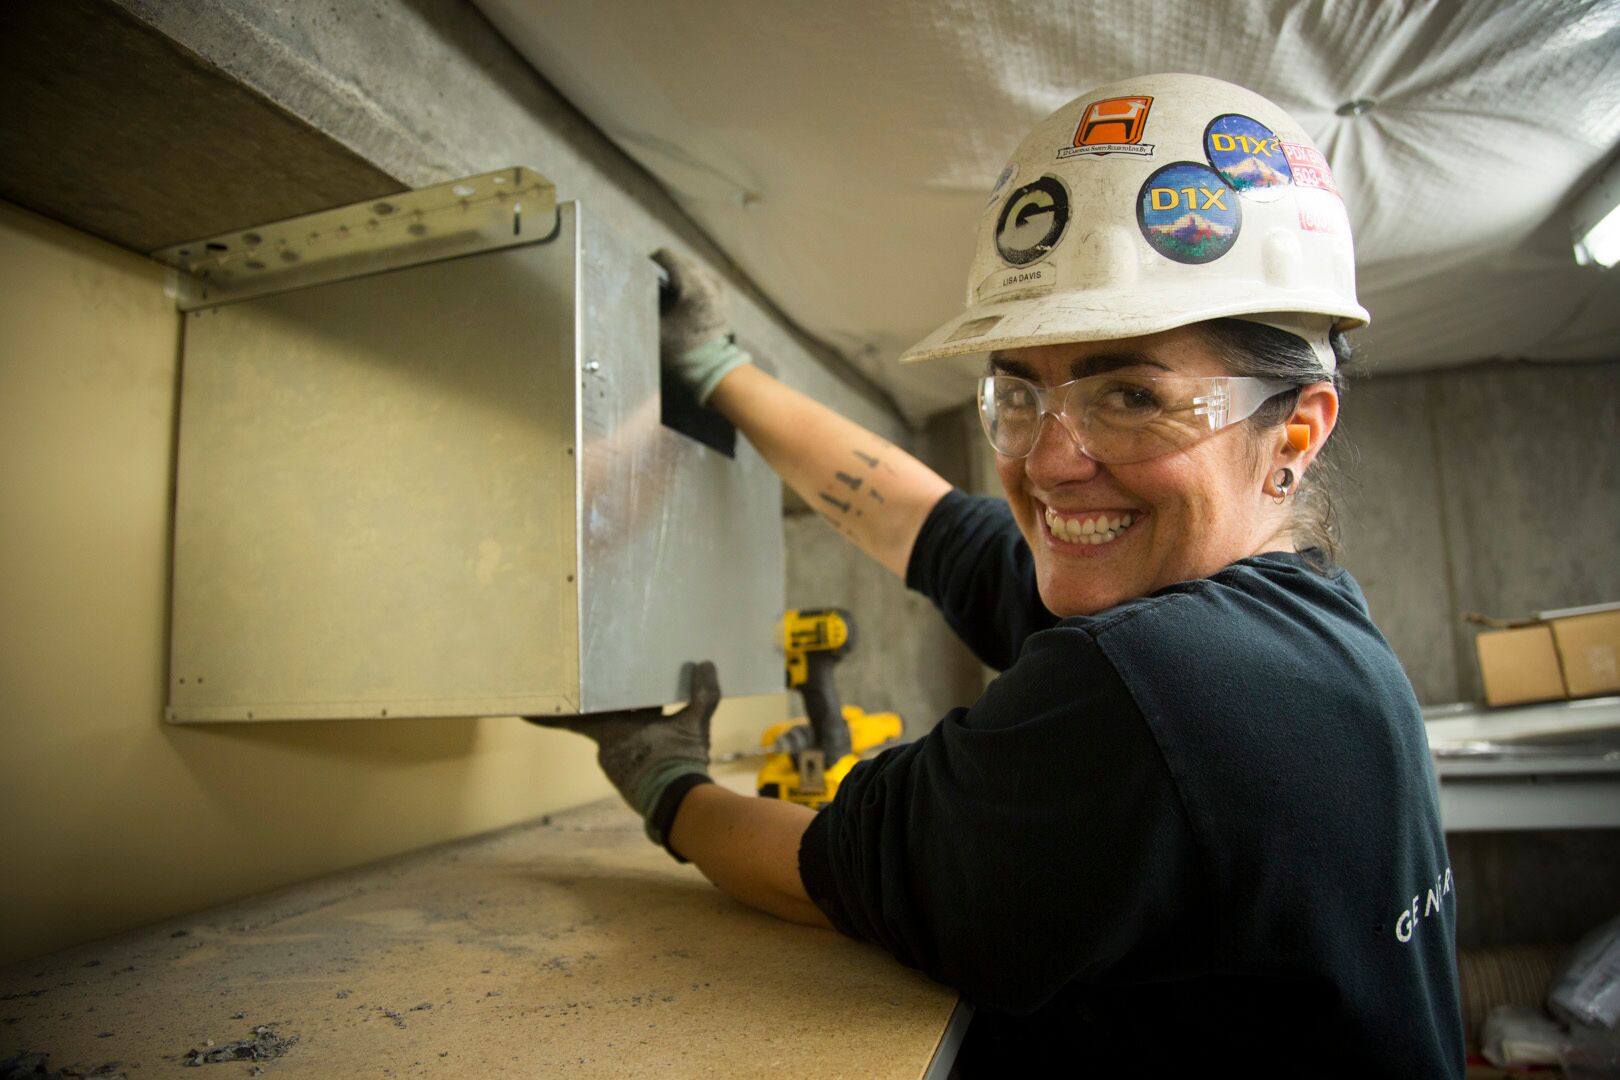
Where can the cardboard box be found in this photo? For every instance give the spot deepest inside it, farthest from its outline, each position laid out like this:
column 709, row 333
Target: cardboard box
column 1573, row 653
column 1519, row 665
column 1589, row 651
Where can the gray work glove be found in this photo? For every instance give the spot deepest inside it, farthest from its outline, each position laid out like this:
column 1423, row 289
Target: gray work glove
column 652, row 759
column 694, row 335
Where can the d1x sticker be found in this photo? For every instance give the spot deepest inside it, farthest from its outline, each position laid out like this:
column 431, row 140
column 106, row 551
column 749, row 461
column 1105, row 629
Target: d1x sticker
column 1249, row 157
column 1188, row 213
column 1032, row 220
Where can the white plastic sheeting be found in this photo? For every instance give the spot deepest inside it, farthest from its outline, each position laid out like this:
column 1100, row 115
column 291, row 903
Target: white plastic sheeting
column 841, row 151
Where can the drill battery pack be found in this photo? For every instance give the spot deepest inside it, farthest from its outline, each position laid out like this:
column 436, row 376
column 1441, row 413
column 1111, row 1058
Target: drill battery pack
column 797, row 772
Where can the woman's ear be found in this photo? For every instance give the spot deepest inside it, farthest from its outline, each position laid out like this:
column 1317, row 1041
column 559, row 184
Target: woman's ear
column 1307, row 429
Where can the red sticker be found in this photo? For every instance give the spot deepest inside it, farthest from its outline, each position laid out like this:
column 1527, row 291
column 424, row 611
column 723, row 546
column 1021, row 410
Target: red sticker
column 1312, row 219
column 1319, row 210
column 1309, row 167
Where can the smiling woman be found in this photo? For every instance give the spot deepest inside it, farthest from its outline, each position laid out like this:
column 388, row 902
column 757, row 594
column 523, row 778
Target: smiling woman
column 1137, row 465
column 1195, row 491
column 1177, row 829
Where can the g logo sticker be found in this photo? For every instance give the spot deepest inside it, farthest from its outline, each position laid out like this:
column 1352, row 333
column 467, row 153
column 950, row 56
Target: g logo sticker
column 1032, row 221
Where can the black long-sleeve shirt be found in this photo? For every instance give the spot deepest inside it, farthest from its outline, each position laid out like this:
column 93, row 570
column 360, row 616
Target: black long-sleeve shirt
column 1200, row 826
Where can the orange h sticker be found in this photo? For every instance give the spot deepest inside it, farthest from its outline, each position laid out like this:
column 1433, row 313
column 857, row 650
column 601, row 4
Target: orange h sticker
column 1111, row 126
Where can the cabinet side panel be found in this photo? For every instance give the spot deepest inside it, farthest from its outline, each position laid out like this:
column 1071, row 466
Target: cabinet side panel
column 681, row 546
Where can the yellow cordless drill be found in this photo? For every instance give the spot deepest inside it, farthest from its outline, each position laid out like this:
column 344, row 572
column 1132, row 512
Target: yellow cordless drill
column 809, row 760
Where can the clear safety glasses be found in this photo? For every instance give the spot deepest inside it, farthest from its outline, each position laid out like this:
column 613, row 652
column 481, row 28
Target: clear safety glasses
column 1118, row 419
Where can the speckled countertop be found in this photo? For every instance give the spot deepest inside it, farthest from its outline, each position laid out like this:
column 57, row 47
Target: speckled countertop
column 565, row 947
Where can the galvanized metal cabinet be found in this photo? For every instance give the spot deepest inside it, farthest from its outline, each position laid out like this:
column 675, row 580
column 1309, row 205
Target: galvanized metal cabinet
column 443, row 489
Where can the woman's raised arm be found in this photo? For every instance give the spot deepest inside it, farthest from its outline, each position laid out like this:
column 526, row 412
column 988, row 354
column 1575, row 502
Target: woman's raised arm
column 872, row 492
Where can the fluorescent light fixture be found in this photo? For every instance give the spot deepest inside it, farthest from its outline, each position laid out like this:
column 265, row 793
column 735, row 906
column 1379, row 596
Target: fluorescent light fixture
column 1601, row 244
column 1595, row 220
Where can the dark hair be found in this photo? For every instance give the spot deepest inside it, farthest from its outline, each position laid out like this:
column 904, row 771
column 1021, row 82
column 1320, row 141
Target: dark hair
column 1249, row 348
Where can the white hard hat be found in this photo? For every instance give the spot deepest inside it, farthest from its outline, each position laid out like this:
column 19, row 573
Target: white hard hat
column 1153, row 203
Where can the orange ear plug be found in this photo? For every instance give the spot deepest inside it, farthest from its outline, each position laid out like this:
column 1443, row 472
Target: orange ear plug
column 1299, row 437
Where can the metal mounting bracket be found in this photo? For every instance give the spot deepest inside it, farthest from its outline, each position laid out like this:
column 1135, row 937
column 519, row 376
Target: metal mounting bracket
column 510, row 206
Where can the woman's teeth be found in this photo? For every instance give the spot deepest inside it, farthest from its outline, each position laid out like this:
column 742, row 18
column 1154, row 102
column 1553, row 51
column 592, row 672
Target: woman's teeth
column 1089, row 530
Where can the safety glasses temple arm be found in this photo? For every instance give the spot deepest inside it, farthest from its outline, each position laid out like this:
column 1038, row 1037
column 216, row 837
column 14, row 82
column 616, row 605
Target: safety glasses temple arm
column 1237, row 398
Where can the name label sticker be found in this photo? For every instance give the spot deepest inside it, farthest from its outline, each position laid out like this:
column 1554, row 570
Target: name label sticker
column 1024, row 279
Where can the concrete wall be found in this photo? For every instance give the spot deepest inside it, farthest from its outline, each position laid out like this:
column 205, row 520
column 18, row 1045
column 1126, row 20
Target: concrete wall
column 1534, row 887
column 1493, row 489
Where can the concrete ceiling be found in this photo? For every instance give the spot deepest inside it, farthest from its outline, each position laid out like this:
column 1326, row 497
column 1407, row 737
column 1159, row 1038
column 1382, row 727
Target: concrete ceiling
column 113, row 128
column 841, row 152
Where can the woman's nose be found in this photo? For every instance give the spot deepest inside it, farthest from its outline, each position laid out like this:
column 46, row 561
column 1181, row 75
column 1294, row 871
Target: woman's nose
column 1056, row 456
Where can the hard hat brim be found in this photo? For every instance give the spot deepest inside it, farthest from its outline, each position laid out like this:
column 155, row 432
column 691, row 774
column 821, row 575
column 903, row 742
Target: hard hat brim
column 1053, row 317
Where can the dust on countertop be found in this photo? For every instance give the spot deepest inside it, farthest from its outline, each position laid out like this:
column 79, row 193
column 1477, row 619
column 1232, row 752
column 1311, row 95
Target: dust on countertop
column 29, row 1065
column 264, row 1044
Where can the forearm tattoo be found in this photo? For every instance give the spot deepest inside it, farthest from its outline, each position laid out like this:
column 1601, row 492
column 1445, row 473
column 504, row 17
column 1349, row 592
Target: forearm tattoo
column 847, row 494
